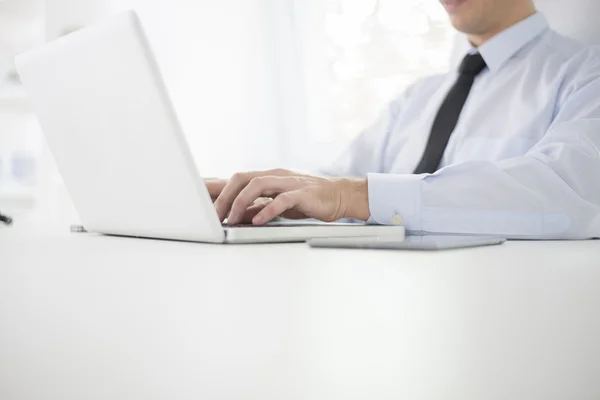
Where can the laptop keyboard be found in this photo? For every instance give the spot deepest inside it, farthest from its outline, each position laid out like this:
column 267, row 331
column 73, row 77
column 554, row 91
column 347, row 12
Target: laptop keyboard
column 288, row 225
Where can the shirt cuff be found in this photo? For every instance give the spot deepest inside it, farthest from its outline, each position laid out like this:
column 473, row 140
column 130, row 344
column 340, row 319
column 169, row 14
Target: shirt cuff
column 396, row 200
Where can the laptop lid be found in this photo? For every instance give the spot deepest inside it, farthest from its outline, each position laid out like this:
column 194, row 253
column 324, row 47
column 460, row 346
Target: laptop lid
column 111, row 127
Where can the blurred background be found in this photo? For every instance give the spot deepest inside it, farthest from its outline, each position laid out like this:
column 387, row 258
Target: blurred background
column 257, row 83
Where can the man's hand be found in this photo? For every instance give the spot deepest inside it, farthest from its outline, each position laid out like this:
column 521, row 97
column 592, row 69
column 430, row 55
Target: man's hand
column 216, row 185
column 262, row 196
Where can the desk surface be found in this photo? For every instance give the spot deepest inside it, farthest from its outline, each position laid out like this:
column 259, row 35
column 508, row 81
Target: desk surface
column 91, row 317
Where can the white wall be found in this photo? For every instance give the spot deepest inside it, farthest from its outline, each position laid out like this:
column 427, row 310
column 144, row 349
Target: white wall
column 222, row 73
column 218, row 59
column 18, row 27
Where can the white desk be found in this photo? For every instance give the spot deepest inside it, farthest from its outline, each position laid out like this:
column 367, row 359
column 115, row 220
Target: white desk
column 86, row 317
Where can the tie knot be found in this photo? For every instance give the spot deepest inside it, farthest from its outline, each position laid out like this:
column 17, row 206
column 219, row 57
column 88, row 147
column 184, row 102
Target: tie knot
column 472, row 65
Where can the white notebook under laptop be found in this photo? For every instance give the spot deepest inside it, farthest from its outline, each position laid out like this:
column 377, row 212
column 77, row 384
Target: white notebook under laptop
column 108, row 119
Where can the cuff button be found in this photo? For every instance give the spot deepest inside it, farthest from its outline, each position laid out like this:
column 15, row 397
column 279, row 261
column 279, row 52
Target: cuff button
column 397, row 220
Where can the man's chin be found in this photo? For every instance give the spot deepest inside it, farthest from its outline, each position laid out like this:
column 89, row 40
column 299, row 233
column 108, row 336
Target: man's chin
column 459, row 24
column 463, row 24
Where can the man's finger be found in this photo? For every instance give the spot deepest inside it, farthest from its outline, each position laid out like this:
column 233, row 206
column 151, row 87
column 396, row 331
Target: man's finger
column 235, row 185
column 264, row 186
column 253, row 210
column 231, row 191
column 278, row 206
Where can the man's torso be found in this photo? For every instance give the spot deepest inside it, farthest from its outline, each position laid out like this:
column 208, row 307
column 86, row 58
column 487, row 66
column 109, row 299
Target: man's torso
column 509, row 110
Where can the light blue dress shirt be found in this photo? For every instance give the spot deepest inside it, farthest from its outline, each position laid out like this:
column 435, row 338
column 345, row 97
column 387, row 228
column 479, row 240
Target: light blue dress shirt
column 524, row 160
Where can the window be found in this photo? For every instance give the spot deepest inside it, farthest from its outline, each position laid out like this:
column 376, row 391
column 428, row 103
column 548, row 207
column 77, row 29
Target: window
column 359, row 54
column 288, row 82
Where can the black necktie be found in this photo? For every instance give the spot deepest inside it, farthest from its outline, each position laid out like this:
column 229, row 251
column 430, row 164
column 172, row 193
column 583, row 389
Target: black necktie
column 447, row 118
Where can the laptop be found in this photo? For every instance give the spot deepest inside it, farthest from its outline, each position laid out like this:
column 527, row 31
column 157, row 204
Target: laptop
column 108, row 120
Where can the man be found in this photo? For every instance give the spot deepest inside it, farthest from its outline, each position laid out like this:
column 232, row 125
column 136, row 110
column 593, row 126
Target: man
column 506, row 144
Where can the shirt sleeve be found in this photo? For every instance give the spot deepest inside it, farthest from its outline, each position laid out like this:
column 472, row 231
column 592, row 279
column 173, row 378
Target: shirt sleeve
column 366, row 152
column 552, row 192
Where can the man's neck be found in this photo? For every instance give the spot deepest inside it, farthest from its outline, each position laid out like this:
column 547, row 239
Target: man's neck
column 515, row 18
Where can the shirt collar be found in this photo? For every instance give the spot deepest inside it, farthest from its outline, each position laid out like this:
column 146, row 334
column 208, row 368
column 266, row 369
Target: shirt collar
column 502, row 47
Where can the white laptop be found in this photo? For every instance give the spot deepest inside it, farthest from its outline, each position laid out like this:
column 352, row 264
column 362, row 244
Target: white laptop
column 107, row 117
